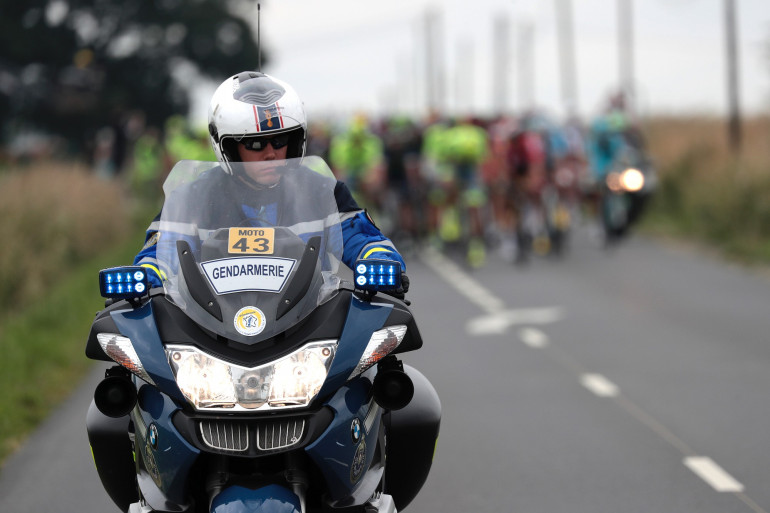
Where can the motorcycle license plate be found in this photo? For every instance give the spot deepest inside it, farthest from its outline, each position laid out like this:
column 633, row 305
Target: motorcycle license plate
column 251, row 241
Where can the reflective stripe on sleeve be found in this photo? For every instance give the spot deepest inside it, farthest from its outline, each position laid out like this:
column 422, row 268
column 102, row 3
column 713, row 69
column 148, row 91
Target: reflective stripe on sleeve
column 377, row 250
column 158, row 272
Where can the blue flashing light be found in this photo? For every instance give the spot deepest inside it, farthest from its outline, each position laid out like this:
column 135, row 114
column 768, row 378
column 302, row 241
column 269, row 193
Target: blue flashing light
column 378, row 275
column 123, row 282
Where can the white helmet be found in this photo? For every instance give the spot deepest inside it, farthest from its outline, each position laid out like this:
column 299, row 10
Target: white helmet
column 252, row 104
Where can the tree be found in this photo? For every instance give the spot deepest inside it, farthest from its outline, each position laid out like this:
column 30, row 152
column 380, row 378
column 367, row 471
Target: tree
column 69, row 67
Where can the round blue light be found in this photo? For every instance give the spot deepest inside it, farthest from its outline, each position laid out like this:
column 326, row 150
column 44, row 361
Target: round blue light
column 361, row 268
column 138, row 275
column 139, row 287
column 361, row 280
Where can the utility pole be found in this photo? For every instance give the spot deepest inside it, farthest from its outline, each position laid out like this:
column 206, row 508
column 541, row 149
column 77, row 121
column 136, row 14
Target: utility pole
column 464, row 76
column 501, row 66
column 526, row 66
column 567, row 56
column 626, row 52
column 734, row 116
column 434, row 61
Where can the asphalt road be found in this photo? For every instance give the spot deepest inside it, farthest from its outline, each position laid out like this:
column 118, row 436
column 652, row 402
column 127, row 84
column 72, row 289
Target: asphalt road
column 632, row 380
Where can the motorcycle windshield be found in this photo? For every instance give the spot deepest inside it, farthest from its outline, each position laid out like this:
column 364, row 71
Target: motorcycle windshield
column 249, row 250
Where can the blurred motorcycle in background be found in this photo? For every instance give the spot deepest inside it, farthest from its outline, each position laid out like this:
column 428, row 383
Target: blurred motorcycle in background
column 625, row 192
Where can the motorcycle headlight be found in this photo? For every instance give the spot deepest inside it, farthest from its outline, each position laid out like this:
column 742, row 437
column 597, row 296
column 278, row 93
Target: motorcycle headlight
column 381, row 344
column 632, row 180
column 122, row 351
column 293, row 381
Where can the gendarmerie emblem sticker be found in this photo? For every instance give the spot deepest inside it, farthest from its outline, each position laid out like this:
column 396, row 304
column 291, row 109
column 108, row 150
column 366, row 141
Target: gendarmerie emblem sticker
column 250, row 321
column 359, row 461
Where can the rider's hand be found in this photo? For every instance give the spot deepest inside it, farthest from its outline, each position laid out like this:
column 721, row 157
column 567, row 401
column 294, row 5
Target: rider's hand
column 402, row 290
column 404, row 283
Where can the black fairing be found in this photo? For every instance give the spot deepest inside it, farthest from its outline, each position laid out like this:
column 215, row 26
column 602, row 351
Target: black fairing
column 402, row 315
column 104, row 324
column 326, row 322
column 174, row 327
column 412, row 435
column 111, row 448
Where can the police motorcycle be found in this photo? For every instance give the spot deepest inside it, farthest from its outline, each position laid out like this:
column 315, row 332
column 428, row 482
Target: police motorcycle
column 625, row 192
column 264, row 376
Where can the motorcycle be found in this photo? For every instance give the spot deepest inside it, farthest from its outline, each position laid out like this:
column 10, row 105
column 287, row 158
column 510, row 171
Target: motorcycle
column 264, row 375
column 625, row 193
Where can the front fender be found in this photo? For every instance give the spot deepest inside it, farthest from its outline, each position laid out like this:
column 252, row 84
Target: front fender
column 267, row 499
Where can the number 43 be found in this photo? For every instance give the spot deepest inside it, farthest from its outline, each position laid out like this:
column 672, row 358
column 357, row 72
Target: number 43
column 260, row 245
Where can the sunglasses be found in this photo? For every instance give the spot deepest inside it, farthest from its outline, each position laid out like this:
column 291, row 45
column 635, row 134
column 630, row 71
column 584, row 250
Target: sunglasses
column 260, row 143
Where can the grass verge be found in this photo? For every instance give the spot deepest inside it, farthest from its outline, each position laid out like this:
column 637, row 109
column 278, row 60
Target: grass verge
column 707, row 194
column 43, row 347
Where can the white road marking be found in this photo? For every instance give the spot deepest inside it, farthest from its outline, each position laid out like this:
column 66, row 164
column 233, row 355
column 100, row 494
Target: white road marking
column 497, row 319
column 599, row 385
column 460, row 280
column 498, row 323
column 533, row 338
column 487, row 325
column 713, row 474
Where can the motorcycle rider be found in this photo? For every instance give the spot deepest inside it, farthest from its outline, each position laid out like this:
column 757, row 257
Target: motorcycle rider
column 254, row 117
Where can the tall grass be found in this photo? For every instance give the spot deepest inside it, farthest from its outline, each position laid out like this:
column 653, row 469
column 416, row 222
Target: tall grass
column 59, row 225
column 51, row 218
column 708, row 193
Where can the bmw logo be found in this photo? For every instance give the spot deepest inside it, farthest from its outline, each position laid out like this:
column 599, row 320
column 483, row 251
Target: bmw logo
column 355, row 431
column 152, row 436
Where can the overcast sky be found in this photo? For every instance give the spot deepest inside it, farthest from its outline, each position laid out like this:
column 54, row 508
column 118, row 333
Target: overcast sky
column 348, row 55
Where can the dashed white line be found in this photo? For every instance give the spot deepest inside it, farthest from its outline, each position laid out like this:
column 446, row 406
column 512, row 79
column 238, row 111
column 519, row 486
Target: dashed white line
column 533, row 338
column 713, row 474
column 599, row 385
column 498, row 319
